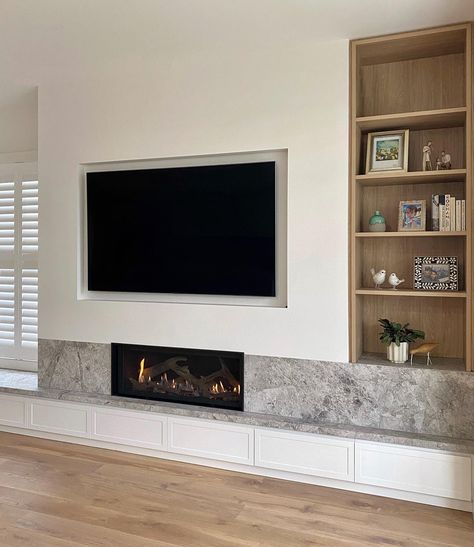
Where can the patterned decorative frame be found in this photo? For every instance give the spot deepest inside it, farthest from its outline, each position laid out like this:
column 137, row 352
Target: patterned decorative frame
column 450, row 285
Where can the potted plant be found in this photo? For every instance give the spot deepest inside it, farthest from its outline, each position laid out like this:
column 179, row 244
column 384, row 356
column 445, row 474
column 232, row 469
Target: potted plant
column 397, row 337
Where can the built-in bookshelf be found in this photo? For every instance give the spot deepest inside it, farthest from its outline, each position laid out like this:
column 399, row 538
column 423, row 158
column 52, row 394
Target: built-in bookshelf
column 420, row 81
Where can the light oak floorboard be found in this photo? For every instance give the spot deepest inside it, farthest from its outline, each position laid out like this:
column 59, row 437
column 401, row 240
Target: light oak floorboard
column 59, row 494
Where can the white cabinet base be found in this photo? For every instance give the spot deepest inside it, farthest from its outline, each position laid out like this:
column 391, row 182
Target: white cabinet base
column 56, row 417
column 140, row 429
column 13, row 411
column 204, row 439
column 305, row 454
column 413, row 474
column 414, row 470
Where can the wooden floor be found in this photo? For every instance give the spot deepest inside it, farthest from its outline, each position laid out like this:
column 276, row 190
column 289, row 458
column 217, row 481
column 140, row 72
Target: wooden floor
column 57, row 494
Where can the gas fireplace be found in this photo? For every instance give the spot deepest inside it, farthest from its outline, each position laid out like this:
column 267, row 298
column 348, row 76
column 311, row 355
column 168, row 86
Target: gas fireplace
column 192, row 376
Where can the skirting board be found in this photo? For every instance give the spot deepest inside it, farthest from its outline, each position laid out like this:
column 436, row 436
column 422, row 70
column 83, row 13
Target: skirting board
column 252, row 470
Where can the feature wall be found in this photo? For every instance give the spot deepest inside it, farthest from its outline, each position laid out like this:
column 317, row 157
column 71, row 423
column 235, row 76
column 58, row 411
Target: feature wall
column 210, row 101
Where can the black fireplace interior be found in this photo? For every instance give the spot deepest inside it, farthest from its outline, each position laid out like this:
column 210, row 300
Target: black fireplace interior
column 200, row 377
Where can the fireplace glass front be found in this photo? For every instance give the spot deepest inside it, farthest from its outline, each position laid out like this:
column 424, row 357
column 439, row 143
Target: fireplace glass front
column 199, row 377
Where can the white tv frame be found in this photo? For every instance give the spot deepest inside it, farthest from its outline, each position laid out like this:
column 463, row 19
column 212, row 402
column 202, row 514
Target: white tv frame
column 280, row 157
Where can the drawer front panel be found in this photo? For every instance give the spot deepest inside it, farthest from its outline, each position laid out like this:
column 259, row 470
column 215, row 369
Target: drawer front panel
column 134, row 429
column 12, row 411
column 225, row 442
column 306, row 454
column 60, row 418
column 414, row 470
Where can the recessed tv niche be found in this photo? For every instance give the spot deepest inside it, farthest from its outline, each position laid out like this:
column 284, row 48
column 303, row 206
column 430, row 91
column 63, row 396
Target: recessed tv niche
column 186, row 230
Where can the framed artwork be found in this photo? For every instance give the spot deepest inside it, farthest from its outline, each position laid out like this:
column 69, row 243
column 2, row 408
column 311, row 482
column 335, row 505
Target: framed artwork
column 387, row 151
column 412, row 216
column 436, row 273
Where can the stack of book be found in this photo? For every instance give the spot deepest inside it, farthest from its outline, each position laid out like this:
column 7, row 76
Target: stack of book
column 448, row 214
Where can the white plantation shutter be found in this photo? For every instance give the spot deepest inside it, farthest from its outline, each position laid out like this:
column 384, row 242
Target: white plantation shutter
column 29, row 308
column 7, row 308
column 18, row 262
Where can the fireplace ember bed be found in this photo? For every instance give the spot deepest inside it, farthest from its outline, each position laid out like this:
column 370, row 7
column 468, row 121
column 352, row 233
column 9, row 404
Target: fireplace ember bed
column 179, row 375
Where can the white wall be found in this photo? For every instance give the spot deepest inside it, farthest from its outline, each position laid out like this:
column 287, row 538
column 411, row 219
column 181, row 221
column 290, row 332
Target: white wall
column 18, row 120
column 184, row 77
column 205, row 103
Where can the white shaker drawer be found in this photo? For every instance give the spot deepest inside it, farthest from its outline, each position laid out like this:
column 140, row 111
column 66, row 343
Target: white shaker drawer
column 61, row 418
column 217, row 441
column 146, row 430
column 12, row 411
column 305, row 453
column 414, row 470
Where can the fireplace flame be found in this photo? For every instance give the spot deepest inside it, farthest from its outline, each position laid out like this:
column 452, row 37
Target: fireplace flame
column 218, row 388
column 141, row 377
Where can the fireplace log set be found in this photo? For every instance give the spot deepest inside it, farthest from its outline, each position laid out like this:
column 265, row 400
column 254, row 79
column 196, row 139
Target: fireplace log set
column 220, row 384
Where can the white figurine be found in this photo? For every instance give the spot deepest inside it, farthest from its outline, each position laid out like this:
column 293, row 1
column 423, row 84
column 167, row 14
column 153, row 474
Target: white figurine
column 394, row 281
column 445, row 160
column 427, row 157
column 378, row 277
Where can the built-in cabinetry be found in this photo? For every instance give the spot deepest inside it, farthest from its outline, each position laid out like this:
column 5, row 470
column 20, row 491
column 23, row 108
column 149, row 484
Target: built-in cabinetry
column 417, row 474
column 420, row 81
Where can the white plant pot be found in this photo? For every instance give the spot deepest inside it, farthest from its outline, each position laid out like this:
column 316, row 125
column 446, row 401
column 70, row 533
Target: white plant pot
column 398, row 354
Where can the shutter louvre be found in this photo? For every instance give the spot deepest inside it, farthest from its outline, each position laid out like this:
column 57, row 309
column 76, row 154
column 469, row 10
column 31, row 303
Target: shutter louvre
column 7, row 307
column 29, row 307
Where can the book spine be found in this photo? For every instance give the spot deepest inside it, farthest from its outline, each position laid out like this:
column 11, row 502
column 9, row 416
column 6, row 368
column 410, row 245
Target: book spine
column 442, row 213
column 447, row 213
column 435, row 212
column 452, row 212
column 463, row 215
column 458, row 215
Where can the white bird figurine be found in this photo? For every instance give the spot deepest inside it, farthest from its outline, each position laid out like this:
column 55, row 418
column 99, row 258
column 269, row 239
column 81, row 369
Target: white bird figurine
column 394, row 281
column 379, row 277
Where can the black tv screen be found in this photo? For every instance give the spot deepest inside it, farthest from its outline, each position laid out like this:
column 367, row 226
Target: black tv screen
column 186, row 230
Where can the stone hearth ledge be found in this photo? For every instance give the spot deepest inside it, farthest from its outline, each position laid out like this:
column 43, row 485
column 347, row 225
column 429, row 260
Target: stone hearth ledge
column 251, row 419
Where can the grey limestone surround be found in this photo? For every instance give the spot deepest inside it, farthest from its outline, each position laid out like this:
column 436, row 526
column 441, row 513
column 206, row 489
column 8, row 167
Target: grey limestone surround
column 417, row 401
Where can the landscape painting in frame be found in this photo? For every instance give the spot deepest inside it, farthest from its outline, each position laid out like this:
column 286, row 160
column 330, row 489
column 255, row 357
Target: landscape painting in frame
column 387, row 151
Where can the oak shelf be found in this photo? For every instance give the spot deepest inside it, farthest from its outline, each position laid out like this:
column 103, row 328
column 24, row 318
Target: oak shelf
column 413, row 177
column 412, row 292
column 438, row 363
column 410, row 234
column 424, row 119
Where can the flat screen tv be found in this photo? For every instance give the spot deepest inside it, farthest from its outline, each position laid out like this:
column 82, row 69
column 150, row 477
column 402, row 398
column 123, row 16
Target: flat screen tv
column 186, row 230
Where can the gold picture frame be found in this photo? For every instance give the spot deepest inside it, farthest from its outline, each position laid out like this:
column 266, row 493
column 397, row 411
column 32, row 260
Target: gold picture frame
column 412, row 216
column 387, row 151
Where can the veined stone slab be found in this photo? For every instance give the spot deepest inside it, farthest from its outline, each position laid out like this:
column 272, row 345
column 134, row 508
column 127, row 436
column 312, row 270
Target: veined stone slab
column 74, row 366
column 412, row 400
column 416, row 400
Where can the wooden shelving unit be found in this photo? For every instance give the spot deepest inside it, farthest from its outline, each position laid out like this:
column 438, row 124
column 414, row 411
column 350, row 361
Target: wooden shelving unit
column 420, row 81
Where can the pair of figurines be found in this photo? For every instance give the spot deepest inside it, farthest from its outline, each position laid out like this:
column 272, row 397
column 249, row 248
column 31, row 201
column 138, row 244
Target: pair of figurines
column 442, row 162
column 380, row 276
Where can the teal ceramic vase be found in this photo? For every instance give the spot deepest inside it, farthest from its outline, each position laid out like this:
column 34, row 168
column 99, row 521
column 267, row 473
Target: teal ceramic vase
column 377, row 222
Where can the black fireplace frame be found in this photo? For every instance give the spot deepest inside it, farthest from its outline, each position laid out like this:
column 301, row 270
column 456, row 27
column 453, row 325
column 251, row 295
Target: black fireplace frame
column 117, row 358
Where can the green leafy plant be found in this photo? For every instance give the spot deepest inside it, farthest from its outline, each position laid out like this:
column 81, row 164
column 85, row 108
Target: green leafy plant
column 398, row 333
